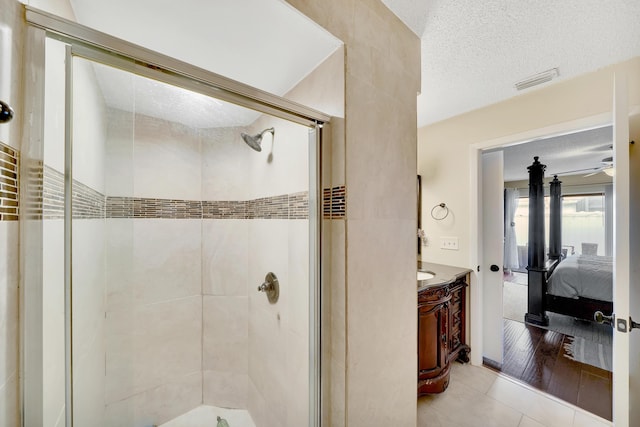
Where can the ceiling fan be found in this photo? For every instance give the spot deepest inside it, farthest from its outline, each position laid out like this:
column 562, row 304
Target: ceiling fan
column 606, row 167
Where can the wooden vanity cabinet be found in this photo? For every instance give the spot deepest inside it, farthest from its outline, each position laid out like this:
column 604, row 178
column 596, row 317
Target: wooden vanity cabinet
column 441, row 334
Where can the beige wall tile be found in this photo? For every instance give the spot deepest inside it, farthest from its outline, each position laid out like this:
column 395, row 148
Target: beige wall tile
column 53, row 320
column 88, row 319
column 152, row 345
column 159, row 147
column 225, row 257
column 8, row 300
column 119, row 167
column 9, row 330
column 381, row 323
column 9, row 402
column 225, row 334
column 119, row 260
column 157, row 405
column 225, row 159
column 225, row 389
column 298, row 278
column 89, row 382
column 166, row 259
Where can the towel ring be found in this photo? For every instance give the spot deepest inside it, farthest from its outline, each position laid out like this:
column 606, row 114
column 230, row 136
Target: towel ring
column 442, row 207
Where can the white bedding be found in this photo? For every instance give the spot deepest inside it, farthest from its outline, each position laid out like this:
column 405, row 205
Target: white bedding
column 585, row 276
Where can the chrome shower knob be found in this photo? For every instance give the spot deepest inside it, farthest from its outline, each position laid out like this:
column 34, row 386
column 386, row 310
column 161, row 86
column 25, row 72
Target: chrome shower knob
column 271, row 287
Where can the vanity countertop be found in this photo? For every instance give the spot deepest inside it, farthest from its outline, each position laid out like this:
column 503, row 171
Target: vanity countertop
column 443, row 274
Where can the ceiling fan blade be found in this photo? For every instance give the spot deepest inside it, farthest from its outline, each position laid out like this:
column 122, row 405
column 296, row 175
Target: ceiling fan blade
column 593, row 173
column 595, row 170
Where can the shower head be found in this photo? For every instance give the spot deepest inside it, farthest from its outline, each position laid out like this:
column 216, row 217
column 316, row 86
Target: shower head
column 254, row 141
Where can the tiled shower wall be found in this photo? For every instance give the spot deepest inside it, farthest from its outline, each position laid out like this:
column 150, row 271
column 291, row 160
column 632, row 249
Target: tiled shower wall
column 195, row 220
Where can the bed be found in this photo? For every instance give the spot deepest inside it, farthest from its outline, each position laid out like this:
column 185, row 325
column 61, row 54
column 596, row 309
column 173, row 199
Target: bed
column 585, row 276
column 578, row 285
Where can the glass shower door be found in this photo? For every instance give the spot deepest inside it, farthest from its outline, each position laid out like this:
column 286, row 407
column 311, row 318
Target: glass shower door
column 176, row 224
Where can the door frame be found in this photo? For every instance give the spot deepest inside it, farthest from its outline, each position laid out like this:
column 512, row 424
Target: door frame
column 475, row 208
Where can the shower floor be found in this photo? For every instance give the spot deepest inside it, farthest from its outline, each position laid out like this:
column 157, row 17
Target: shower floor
column 205, row 416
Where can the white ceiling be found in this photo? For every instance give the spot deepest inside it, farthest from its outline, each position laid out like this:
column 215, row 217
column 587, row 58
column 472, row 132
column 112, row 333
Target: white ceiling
column 474, row 51
column 266, row 44
column 578, row 153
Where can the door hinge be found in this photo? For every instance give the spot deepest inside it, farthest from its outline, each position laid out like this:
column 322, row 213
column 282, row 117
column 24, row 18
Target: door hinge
column 478, row 268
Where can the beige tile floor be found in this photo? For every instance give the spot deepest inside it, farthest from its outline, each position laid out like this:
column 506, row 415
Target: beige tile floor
column 479, row 397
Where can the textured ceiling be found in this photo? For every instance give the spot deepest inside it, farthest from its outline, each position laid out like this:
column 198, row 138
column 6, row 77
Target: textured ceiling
column 128, row 92
column 412, row 12
column 474, row 51
column 580, row 153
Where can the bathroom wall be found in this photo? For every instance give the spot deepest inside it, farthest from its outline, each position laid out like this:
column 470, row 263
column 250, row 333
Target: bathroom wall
column 443, row 147
column 11, row 45
column 372, row 245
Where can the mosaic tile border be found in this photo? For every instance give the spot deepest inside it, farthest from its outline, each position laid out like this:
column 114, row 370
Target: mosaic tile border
column 287, row 206
column 46, row 186
column 334, row 202
column 87, row 202
column 32, row 203
column 9, row 179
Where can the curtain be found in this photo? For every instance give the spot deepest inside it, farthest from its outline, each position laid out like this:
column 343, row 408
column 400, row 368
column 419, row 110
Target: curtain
column 511, row 197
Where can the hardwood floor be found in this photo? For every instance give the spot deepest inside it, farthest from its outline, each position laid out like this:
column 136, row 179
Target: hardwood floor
column 535, row 356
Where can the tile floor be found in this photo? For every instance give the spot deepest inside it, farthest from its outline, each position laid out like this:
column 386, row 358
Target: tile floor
column 478, row 396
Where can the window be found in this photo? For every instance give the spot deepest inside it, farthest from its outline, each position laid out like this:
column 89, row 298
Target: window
column 583, row 222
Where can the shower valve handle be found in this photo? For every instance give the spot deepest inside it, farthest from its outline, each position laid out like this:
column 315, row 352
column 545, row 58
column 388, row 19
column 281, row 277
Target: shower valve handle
column 270, row 287
column 265, row 287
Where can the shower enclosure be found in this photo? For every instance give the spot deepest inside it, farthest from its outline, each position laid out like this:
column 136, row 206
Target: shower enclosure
column 157, row 226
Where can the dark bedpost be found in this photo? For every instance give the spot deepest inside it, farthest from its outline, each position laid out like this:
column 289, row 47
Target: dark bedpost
column 536, row 269
column 555, row 220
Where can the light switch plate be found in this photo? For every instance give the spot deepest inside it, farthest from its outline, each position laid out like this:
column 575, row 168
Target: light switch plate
column 449, row 243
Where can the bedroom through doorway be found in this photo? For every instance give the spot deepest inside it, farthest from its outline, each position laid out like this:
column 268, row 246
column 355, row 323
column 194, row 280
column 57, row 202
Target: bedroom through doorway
column 570, row 358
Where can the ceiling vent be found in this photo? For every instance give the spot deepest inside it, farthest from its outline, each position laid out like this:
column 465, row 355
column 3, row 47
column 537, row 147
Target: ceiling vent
column 537, row 79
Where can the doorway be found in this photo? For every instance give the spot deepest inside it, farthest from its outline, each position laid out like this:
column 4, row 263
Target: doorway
column 568, row 358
